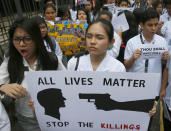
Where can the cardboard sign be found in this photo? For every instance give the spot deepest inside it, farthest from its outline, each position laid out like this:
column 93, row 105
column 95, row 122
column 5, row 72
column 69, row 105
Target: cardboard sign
column 120, row 22
column 150, row 51
column 71, row 37
column 111, row 7
column 92, row 101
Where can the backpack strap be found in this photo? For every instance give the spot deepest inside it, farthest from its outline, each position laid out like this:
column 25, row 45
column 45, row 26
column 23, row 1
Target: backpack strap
column 53, row 43
column 77, row 63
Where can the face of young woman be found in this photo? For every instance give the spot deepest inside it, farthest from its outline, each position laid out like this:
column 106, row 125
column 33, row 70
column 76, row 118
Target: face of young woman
column 43, row 30
column 88, row 6
column 24, row 44
column 123, row 4
column 82, row 15
column 97, row 40
column 159, row 8
column 66, row 16
column 50, row 14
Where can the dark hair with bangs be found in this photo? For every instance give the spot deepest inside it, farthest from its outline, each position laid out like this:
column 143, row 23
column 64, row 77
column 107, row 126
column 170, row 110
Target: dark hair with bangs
column 15, row 64
column 86, row 12
column 148, row 14
column 107, row 26
column 39, row 20
column 48, row 6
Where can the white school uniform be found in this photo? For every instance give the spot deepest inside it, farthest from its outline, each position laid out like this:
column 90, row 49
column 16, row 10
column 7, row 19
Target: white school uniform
column 114, row 51
column 21, row 104
column 58, row 51
column 4, row 120
column 108, row 64
column 154, row 65
column 165, row 17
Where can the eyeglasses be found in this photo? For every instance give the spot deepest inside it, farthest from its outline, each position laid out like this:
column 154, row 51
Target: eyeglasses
column 25, row 39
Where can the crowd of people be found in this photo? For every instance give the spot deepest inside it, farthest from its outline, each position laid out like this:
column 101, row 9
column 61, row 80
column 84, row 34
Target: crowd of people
column 32, row 49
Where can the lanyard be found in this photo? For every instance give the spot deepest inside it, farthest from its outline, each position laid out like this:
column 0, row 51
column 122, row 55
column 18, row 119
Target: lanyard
column 146, row 61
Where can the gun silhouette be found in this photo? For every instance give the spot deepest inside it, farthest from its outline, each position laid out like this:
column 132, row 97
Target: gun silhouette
column 103, row 102
column 94, row 96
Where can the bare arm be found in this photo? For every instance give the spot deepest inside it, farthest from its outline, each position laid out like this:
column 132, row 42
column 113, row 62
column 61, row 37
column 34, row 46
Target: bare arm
column 129, row 63
column 13, row 90
column 164, row 83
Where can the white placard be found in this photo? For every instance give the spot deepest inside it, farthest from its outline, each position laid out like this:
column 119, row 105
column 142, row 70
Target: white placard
column 150, row 51
column 92, row 101
column 119, row 9
column 111, row 7
column 120, row 22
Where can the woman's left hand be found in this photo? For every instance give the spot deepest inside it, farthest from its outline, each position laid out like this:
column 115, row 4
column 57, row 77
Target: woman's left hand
column 153, row 110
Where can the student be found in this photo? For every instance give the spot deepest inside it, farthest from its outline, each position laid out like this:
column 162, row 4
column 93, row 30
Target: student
column 89, row 7
column 98, row 6
column 132, row 60
column 149, row 26
column 82, row 14
column 50, row 43
column 114, row 50
column 157, row 5
column 123, row 3
column 166, row 16
column 64, row 14
column 126, row 35
column 49, row 13
column 166, row 93
column 26, row 53
column 99, row 37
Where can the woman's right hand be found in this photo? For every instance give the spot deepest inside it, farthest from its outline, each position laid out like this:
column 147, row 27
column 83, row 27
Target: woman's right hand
column 13, row 90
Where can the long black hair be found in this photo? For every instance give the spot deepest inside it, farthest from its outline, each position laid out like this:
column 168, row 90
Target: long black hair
column 15, row 64
column 38, row 20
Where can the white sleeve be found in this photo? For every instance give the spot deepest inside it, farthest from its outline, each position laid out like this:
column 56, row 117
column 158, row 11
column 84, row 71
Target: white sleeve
column 128, row 51
column 71, row 64
column 161, row 18
column 114, row 51
column 60, row 64
column 165, row 44
column 58, row 51
column 4, row 75
column 122, row 68
column 4, row 120
column 164, row 29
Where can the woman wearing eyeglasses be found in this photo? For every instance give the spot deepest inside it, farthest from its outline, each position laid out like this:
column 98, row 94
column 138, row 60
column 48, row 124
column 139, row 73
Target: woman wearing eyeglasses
column 26, row 52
